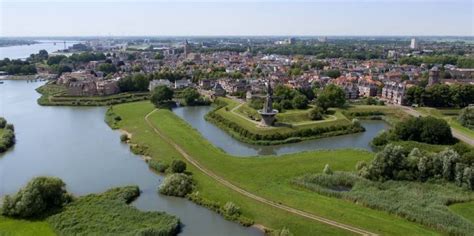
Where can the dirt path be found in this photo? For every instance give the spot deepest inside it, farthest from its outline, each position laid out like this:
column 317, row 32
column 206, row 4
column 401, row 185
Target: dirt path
column 228, row 184
column 456, row 133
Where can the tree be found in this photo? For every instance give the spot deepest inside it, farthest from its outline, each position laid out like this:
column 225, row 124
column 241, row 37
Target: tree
column 107, row 68
column 449, row 157
column 316, row 113
column 466, row 117
column 468, row 177
column 178, row 185
column 331, row 96
column 161, row 95
column 178, row 166
column 333, row 73
column 387, row 164
column 300, row 101
column 40, row 196
column 190, row 96
column 424, row 129
column 54, row 60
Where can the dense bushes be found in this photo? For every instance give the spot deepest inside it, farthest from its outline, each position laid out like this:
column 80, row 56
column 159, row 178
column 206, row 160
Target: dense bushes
column 157, row 165
column 178, row 166
column 40, row 196
column 178, row 185
column 316, row 113
column 161, row 95
column 109, row 214
column 441, row 95
column 424, row 203
column 7, row 135
column 394, row 163
column 466, row 118
column 17, row 67
column 421, row 129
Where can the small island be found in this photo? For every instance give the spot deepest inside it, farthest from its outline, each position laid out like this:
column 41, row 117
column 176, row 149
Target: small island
column 7, row 135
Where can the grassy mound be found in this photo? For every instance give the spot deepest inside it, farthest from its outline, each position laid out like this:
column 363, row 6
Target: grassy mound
column 109, row 214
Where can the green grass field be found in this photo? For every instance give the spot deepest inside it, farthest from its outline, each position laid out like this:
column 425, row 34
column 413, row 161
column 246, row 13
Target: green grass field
column 268, row 176
column 450, row 115
column 465, row 210
column 12, row 227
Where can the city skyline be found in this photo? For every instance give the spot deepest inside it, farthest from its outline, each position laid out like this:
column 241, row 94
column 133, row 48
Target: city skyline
column 237, row 18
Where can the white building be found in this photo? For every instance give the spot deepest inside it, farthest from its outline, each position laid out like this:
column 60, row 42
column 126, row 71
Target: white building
column 413, row 43
column 158, row 82
column 182, row 83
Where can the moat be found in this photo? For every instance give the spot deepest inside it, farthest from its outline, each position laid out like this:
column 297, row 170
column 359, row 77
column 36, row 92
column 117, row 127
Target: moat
column 75, row 144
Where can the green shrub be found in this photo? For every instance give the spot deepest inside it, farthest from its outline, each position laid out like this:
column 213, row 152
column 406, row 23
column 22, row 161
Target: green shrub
column 178, row 166
column 316, row 113
column 466, row 118
column 157, row 165
column 231, row 209
column 123, row 137
column 42, row 195
column 327, row 170
column 178, row 185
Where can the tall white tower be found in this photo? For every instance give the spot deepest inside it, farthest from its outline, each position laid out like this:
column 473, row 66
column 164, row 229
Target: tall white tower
column 413, row 43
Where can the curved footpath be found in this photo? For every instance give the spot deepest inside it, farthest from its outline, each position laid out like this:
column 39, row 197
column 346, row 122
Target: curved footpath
column 228, row 184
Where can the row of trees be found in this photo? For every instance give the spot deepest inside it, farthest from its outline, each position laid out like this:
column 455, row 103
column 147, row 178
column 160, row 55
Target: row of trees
column 17, row 67
column 394, row 163
column 441, row 95
column 460, row 61
column 134, row 83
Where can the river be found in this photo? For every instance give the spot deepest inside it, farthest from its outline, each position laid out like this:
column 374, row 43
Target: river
column 24, row 51
column 195, row 117
column 75, row 144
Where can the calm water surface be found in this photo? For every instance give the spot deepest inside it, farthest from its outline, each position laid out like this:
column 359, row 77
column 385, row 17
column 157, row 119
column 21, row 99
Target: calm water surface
column 24, row 51
column 76, row 145
column 195, row 116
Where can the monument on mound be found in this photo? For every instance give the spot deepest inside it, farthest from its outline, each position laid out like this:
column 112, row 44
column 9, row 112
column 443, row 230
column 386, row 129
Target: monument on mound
column 268, row 113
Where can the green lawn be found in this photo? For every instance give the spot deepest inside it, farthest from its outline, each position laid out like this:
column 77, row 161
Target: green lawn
column 450, row 115
column 268, row 176
column 10, row 226
column 466, row 210
column 227, row 113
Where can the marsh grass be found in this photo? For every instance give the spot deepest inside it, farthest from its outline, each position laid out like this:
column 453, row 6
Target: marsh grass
column 425, row 203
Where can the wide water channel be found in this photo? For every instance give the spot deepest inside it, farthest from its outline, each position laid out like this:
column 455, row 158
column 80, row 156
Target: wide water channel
column 195, row 117
column 75, row 144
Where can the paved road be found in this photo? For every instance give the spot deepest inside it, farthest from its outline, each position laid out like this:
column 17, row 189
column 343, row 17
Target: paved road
column 456, row 133
column 228, row 184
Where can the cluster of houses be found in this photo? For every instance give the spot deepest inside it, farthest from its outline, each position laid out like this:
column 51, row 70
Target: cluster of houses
column 358, row 78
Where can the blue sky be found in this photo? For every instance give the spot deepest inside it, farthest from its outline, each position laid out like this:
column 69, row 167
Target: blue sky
column 241, row 17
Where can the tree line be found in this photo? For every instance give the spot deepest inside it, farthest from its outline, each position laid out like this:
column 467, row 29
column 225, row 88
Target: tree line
column 441, row 95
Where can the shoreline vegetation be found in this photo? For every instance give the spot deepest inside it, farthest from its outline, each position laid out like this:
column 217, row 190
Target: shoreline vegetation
column 256, row 174
column 248, row 131
column 43, row 207
column 7, row 135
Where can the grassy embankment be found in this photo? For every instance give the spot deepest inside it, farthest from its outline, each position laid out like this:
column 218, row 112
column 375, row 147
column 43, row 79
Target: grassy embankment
column 269, row 177
column 55, row 95
column 450, row 115
column 97, row 214
column 238, row 124
column 388, row 113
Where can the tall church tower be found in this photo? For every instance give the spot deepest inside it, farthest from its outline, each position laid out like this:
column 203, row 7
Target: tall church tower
column 187, row 49
column 433, row 76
